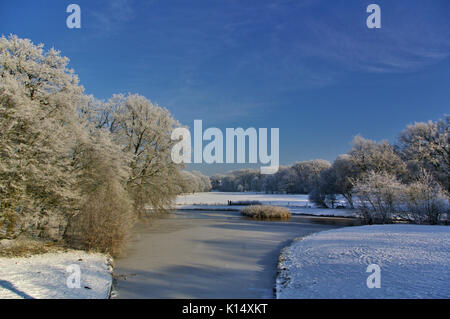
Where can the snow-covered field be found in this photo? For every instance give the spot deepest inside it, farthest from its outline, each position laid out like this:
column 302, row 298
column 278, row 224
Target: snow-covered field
column 297, row 204
column 414, row 262
column 45, row 276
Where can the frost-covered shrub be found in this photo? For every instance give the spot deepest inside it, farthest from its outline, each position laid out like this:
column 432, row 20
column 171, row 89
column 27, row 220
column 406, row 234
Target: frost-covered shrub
column 104, row 222
column 381, row 196
column 105, row 212
column 426, row 200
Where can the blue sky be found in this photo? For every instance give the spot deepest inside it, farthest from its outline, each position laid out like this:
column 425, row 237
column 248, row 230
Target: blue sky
column 310, row 67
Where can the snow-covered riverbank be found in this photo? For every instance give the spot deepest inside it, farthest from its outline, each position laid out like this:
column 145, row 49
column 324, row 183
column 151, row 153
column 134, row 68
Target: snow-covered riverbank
column 297, row 204
column 414, row 261
column 45, row 276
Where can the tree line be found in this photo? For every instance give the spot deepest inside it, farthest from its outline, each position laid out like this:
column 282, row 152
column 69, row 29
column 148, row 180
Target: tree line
column 74, row 168
column 409, row 179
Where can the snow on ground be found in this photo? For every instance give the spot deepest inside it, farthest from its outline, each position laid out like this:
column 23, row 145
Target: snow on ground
column 221, row 198
column 45, row 276
column 414, row 262
column 298, row 204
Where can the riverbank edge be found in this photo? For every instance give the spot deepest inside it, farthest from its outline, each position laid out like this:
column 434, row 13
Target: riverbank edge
column 281, row 276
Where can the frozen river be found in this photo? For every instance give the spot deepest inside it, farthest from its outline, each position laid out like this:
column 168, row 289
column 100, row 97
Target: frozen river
column 200, row 254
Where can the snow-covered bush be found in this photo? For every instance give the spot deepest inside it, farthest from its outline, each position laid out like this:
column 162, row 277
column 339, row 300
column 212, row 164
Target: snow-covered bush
column 426, row 200
column 381, row 197
column 105, row 216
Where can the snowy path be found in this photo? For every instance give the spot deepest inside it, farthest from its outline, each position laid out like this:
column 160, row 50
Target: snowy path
column 414, row 262
column 44, row 276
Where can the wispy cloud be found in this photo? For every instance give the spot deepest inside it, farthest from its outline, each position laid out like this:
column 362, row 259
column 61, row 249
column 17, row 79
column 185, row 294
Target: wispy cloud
column 412, row 35
column 111, row 15
column 191, row 54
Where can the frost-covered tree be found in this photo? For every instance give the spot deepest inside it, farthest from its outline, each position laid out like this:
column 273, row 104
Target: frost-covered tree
column 345, row 173
column 143, row 130
column 308, row 174
column 192, row 182
column 61, row 174
column 204, row 181
column 301, row 177
column 39, row 128
column 324, row 192
column 188, row 183
column 427, row 146
column 270, row 184
column 368, row 155
column 244, row 179
column 287, row 181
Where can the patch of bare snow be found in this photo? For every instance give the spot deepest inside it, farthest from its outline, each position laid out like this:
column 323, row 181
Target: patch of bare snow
column 45, row 276
column 414, row 262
